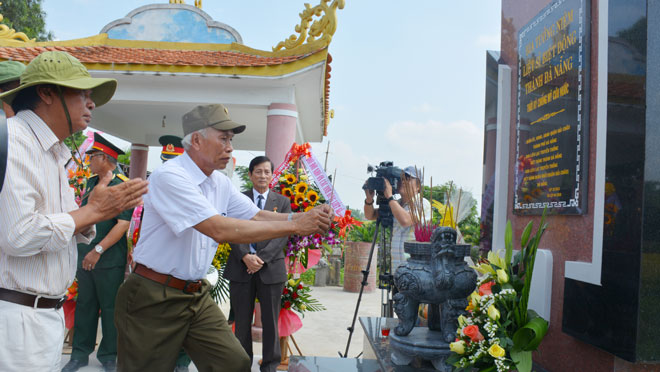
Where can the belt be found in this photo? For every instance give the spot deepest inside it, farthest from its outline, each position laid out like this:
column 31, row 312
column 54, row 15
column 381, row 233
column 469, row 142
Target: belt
column 30, row 300
column 168, row 280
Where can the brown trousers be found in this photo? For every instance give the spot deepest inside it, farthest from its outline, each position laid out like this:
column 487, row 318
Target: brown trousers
column 154, row 321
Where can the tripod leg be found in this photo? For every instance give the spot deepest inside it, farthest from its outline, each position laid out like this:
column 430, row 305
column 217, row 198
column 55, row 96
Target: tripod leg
column 365, row 276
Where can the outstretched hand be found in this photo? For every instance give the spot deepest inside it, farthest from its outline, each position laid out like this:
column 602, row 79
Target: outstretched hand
column 109, row 201
column 316, row 221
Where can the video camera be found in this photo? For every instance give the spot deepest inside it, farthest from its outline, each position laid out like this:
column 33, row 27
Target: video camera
column 385, row 171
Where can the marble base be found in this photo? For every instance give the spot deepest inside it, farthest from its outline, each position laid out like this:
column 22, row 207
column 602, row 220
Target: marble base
column 420, row 343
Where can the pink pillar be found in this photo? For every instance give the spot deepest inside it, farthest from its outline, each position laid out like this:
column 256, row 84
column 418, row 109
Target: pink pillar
column 280, row 130
column 139, row 157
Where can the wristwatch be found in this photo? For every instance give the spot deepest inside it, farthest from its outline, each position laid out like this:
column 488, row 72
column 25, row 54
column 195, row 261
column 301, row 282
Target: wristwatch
column 98, row 249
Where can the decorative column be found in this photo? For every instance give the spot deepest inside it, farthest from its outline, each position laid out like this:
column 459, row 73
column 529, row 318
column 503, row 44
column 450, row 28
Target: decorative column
column 139, row 157
column 280, row 130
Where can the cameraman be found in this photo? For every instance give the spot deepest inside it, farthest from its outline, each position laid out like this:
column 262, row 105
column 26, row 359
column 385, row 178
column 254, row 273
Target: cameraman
column 400, row 206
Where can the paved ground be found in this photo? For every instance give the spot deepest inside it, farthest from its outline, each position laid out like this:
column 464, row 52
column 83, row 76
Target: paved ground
column 323, row 333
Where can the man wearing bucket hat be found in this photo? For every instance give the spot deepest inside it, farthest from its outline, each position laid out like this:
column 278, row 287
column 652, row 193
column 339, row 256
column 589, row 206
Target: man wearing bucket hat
column 166, row 303
column 40, row 221
column 100, row 272
column 10, row 74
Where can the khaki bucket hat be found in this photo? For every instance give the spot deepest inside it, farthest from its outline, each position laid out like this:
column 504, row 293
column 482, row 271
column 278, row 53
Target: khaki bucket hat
column 10, row 71
column 63, row 69
column 216, row 116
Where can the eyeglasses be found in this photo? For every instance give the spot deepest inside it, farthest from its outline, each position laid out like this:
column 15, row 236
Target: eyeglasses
column 97, row 154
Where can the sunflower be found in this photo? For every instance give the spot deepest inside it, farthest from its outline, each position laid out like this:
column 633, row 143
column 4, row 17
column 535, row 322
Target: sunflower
column 309, row 207
column 287, row 192
column 300, row 198
column 312, row 196
column 290, row 179
column 301, row 188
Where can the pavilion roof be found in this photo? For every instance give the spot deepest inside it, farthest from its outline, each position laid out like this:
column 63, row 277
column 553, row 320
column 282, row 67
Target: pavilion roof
column 103, row 54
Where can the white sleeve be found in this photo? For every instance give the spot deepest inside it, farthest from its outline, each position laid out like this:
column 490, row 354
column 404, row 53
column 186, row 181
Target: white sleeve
column 240, row 206
column 177, row 200
column 24, row 231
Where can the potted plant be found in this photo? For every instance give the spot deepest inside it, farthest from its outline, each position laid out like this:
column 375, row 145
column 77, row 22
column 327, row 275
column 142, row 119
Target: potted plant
column 356, row 255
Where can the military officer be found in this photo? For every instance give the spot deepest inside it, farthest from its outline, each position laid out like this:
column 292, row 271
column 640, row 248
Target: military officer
column 100, row 269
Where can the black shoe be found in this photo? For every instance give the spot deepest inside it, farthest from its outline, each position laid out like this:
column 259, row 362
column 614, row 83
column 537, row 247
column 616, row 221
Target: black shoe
column 74, row 365
column 109, row 366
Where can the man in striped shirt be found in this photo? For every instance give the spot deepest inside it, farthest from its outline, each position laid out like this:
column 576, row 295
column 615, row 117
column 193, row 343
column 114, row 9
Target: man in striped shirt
column 40, row 222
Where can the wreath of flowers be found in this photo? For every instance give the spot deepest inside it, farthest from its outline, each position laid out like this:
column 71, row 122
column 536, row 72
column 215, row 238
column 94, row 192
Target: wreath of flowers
column 304, row 195
column 220, row 290
column 78, row 179
column 296, row 296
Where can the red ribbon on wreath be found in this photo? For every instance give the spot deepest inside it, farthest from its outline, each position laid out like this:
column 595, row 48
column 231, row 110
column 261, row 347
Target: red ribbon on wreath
column 288, row 322
column 299, row 150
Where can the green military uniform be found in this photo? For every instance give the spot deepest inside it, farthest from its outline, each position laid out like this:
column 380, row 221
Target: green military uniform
column 97, row 288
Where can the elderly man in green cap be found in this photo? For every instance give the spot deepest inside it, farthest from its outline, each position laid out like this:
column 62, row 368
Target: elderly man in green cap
column 10, row 75
column 166, row 303
column 40, row 222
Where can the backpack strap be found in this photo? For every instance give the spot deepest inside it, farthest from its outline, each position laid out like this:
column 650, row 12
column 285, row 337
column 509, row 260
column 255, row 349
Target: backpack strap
column 4, row 144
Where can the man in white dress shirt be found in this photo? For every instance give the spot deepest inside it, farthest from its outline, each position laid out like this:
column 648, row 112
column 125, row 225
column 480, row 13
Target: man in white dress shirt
column 166, row 303
column 40, row 222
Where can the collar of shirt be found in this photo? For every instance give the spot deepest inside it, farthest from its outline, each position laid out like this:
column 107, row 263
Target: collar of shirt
column 45, row 136
column 196, row 174
column 255, row 195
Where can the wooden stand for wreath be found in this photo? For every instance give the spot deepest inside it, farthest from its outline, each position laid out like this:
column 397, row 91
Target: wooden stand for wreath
column 285, row 349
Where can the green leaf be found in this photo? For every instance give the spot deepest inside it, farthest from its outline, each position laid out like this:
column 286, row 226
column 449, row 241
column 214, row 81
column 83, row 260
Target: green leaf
column 523, row 360
column 531, row 334
column 453, row 359
column 525, row 235
column 508, row 237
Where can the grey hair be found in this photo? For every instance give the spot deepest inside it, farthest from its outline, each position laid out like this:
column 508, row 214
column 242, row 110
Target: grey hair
column 187, row 139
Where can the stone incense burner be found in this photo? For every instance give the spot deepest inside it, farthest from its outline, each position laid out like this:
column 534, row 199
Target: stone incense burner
column 435, row 274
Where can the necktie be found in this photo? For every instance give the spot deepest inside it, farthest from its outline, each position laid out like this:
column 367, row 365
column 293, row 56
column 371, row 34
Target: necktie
column 260, row 205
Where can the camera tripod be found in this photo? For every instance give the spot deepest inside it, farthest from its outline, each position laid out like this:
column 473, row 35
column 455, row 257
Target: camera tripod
column 385, row 279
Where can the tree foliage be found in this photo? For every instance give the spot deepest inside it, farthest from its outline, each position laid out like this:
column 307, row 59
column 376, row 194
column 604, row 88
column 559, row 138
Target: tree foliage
column 470, row 225
column 26, row 16
column 78, row 138
column 242, row 171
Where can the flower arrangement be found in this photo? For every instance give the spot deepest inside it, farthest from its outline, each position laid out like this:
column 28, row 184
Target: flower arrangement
column 220, row 290
column 500, row 332
column 72, row 291
column 304, row 195
column 296, row 296
column 78, row 178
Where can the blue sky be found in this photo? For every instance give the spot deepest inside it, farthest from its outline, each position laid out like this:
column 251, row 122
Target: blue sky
column 408, row 78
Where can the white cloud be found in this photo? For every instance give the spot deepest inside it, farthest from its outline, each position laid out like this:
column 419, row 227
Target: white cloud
column 153, row 25
column 489, row 41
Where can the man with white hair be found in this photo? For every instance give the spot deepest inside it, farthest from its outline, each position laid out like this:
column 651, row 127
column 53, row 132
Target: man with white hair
column 166, row 303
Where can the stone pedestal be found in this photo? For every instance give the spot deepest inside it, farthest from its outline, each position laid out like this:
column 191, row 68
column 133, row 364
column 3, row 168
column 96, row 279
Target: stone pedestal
column 322, row 270
column 422, row 343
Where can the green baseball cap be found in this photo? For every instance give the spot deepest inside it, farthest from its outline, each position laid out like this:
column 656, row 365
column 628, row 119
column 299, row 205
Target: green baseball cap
column 10, row 70
column 63, row 69
column 216, row 116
